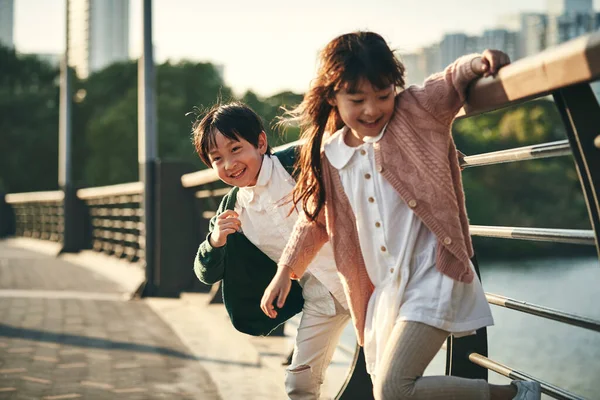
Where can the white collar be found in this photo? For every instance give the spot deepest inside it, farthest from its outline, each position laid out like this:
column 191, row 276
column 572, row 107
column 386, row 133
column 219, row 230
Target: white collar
column 247, row 194
column 339, row 153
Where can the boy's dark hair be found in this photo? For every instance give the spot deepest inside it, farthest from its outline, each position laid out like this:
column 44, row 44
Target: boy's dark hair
column 233, row 120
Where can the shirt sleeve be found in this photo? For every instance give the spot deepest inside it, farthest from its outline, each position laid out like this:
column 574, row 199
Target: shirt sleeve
column 444, row 93
column 209, row 264
column 308, row 237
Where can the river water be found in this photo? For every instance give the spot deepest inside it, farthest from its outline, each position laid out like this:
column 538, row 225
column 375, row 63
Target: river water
column 557, row 353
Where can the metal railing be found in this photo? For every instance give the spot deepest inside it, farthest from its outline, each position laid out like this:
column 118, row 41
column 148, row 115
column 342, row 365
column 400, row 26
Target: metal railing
column 115, row 215
column 38, row 215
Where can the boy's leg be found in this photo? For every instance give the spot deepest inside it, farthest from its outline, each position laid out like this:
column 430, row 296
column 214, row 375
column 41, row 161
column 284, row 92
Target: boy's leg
column 410, row 349
column 316, row 341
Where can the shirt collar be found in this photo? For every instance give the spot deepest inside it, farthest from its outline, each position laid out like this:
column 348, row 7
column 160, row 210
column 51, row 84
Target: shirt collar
column 339, row 153
column 247, row 195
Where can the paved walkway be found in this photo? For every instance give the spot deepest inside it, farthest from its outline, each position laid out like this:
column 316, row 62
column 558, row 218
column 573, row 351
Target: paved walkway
column 69, row 330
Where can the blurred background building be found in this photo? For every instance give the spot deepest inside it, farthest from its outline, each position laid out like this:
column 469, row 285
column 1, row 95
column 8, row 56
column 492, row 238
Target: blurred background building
column 98, row 34
column 7, row 17
column 518, row 35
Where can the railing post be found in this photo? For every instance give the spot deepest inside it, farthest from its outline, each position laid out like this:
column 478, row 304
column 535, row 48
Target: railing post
column 176, row 231
column 147, row 146
column 458, row 350
column 580, row 113
column 71, row 235
column 76, row 234
column 7, row 218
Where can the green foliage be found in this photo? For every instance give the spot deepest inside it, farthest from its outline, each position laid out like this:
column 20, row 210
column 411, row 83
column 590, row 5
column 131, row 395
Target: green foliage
column 28, row 123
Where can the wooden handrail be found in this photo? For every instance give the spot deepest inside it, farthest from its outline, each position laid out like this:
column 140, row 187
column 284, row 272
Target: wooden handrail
column 572, row 62
column 33, row 197
column 112, row 190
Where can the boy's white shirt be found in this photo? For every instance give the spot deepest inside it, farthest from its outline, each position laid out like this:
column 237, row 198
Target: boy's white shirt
column 399, row 253
column 263, row 212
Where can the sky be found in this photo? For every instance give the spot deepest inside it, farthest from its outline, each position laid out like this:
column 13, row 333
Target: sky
column 268, row 46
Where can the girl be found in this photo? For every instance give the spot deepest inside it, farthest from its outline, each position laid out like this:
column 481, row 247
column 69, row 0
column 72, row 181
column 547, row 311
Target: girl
column 386, row 190
column 248, row 235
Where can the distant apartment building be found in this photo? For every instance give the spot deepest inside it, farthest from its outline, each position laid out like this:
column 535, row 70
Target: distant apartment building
column 98, row 34
column 414, row 67
column 7, row 20
column 568, row 19
column 500, row 39
column 531, row 34
column 452, row 46
column 559, row 7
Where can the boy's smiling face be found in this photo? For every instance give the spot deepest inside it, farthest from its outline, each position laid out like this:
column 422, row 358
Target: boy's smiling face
column 237, row 163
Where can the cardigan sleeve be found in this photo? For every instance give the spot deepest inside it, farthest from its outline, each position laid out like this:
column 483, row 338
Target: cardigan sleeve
column 444, row 93
column 209, row 264
column 308, row 237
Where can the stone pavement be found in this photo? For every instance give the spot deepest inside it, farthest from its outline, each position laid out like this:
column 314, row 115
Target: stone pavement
column 69, row 330
column 67, row 333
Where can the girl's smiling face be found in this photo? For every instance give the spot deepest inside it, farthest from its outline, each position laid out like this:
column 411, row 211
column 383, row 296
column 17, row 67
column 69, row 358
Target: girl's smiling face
column 365, row 110
column 237, row 163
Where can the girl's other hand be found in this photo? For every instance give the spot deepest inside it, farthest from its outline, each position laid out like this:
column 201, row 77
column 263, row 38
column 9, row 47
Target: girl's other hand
column 279, row 288
column 490, row 62
column 226, row 224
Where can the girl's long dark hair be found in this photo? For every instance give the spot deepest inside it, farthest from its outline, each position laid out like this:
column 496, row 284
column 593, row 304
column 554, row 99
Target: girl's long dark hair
column 342, row 64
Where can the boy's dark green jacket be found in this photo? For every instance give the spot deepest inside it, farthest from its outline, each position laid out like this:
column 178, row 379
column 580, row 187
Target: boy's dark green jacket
column 246, row 272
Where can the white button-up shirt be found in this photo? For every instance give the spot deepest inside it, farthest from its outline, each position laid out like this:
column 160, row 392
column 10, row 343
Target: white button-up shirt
column 399, row 253
column 264, row 213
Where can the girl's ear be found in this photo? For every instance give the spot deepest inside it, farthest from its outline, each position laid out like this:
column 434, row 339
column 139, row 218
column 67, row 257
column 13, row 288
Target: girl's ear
column 332, row 102
column 262, row 142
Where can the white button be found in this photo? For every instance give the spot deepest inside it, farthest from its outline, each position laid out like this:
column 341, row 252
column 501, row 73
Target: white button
column 379, row 168
column 447, row 240
column 412, row 203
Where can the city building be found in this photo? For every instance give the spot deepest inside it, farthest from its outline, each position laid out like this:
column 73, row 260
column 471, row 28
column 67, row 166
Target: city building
column 98, row 34
column 7, row 18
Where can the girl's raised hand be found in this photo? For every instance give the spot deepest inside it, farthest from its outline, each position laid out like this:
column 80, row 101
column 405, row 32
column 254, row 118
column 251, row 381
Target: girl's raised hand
column 490, row 62
column 226, row 223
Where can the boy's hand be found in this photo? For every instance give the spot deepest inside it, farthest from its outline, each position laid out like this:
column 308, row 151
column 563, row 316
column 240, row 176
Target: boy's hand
column 490, row 62
column 226, row 224
column 278, row 288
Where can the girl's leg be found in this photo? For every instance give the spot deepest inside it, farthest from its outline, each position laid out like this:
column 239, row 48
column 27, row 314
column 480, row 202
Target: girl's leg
column 316, row 341
column 410, row 349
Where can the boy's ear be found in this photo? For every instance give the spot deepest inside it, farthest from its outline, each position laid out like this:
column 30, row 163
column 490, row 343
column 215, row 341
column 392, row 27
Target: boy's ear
column 263, row 144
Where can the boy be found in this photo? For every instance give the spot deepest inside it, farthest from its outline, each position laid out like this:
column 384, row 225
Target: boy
column 248, row 235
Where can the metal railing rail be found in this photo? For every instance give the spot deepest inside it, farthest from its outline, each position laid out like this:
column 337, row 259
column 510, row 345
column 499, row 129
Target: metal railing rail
column 547, row 388
column 544, row 312
column 573, row 236
column 546, row 150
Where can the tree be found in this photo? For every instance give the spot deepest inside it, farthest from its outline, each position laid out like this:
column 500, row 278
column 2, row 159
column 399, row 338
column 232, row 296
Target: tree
column 29, row 97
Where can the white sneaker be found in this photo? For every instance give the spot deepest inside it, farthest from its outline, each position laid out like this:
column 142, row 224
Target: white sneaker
column 527, row 390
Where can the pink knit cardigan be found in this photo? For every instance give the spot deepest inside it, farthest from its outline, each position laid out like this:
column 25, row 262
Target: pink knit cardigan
column 418, row 158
